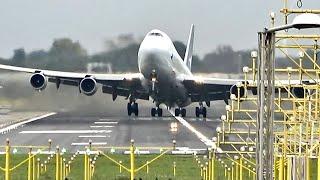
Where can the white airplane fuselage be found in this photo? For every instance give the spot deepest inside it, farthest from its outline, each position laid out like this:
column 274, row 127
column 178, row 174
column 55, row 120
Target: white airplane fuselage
column 160, row 64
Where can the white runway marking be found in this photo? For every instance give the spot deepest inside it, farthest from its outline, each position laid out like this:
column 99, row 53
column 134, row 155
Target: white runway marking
column 87, row 143
column 92, row 136
column 66, row 132
column 106, row 122
column 202, row 137
column 101, row 126
column 14, row 126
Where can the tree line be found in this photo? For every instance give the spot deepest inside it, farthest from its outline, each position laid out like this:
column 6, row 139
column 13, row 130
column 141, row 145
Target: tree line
column 67, row 55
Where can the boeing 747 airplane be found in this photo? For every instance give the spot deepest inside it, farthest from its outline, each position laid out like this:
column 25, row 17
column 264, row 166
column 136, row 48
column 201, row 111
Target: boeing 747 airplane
column 164, row 76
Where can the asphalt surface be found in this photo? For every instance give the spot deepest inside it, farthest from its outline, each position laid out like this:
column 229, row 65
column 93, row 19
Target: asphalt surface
column 73, row 130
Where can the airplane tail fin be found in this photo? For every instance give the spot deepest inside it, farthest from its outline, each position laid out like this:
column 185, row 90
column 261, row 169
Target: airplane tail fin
column 189, row 50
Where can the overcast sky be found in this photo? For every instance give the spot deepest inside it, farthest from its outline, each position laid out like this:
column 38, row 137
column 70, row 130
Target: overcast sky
column 33, row 24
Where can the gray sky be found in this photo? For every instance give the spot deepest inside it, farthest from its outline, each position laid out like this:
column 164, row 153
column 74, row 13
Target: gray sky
column 33, row 24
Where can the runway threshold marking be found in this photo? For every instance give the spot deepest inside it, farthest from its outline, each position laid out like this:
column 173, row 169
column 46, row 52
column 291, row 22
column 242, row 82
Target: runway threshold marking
column 16, row 125
column 202, row 137
column 66, row 132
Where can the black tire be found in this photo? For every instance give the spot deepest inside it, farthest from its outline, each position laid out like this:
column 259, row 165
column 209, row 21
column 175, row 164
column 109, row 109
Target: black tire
column 159, row 112
column 177, row 112
column 136, row 109
column 183, row 112
column 153, row 112
column 129, row 109
column 204, row 112
column 197, row 112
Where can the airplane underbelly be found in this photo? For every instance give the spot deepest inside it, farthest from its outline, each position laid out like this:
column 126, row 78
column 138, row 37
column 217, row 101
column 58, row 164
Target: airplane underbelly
column 173, row 94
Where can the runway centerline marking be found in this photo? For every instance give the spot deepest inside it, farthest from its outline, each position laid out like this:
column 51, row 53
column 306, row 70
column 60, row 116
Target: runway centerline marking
column 92, row 136
column 106, row 122
column 101, row 126
column 87, row 143
column 66, row 132
column 202, row 137
column 16, row 125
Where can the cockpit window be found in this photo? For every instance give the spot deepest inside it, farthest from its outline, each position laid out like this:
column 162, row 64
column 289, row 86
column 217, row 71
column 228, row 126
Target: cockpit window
column 155, row 34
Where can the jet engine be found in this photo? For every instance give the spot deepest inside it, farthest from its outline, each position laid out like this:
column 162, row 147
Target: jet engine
column 234, row 90
column 298, row 92
column 38, row 81
column 88, row 86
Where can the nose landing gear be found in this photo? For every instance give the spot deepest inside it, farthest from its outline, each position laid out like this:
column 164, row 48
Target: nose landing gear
column 201, row 110
column 132, row 107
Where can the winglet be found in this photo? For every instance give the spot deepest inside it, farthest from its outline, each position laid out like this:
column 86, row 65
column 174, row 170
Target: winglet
column 189, row 50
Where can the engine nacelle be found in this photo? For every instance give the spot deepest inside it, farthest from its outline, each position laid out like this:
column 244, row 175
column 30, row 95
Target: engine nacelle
column 298, row 92
column 38, row 81
column 238, row 93
column 88, row 86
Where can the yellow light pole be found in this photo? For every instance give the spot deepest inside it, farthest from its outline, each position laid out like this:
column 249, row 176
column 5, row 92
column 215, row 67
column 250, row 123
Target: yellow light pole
column 207, row 170
column 57, row 163
column 201, row 170
column 318, row 165
column 241, row 169
column 30, row 165
column 120, row 168
column 132, row 160
column 7, row 166
column 86, row 165
column 38, row 168
column 213, row 165
column 174, row 169
column 33, row 167
column 209, row 164
column 147, row 168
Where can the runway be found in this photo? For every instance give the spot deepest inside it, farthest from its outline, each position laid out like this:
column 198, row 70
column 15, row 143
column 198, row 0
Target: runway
column 73, row 130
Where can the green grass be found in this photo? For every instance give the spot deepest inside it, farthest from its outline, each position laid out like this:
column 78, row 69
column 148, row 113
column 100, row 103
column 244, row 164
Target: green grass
column 186, row 168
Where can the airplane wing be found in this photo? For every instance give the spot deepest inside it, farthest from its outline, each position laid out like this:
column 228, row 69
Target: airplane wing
column 115, row 84
column 208, row 89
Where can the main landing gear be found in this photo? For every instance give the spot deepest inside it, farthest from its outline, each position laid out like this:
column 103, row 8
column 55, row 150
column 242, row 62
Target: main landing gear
column 201, row 110
column 156, row 111
column 133, row 107
column 179, row 111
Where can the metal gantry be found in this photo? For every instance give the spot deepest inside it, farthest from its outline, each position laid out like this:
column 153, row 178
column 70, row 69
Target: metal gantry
column 274, row 128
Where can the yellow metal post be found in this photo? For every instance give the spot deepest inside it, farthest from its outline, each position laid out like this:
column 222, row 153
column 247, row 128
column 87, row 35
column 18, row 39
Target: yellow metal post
column 174, row 169
column 241, row 169
column 281, row 167
column 212, row 165
column 30, row 165
column 61, row 167
column 307, row 168
column 7, row 166
column 201, row 170
column 120, row 168
column 57, row 163
column 132, row 160
column 318, row 166
column 85, row 166
column 33, row 167
column 147, row 167
column 38, row 168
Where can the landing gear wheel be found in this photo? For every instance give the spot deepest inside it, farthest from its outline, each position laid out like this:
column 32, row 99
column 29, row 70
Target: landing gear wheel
column 183, row 112
column 204, row 112
column 153, row 112
column 197, row 112
column 135, row 109
column 129, row 109
column 177, row 112
column 159, row 111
